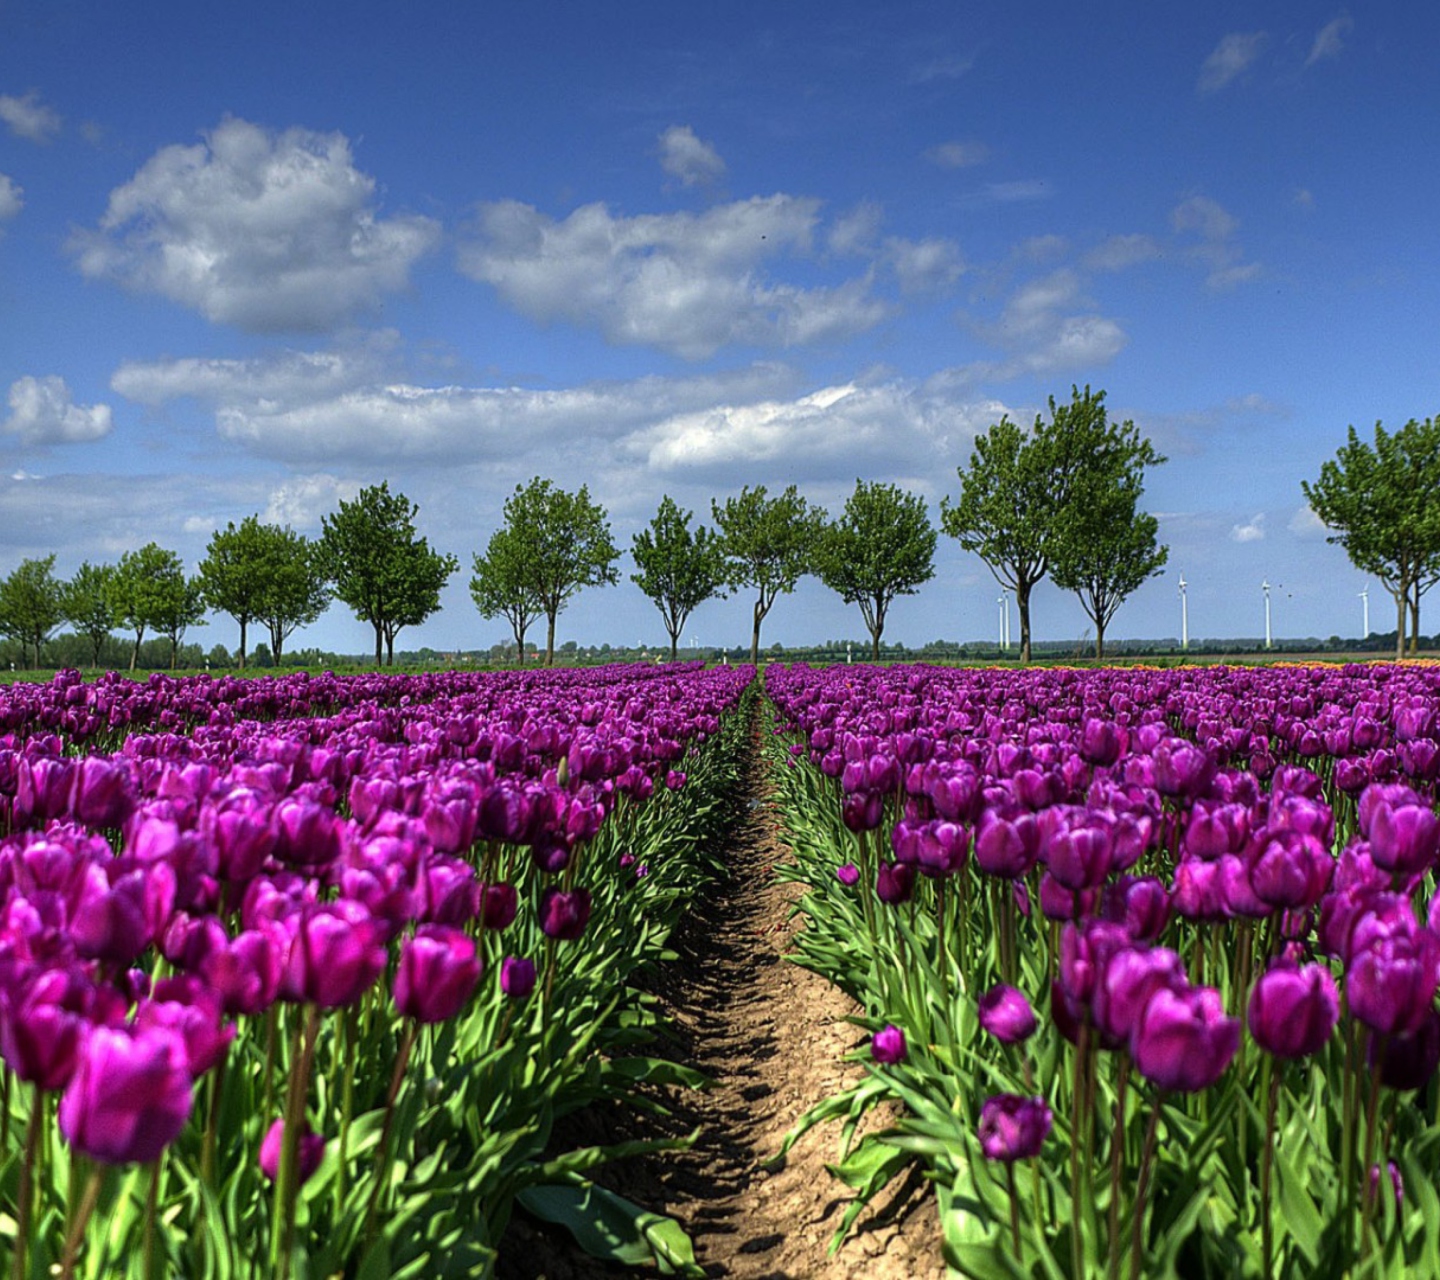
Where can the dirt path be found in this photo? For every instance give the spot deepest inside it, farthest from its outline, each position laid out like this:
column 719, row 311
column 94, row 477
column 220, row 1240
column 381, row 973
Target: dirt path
column 772, row 1036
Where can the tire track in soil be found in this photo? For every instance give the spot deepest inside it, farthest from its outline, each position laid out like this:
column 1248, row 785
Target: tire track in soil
column 771, row 1035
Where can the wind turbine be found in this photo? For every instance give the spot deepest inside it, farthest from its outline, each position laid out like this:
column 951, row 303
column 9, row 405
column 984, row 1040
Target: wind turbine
column 1000, row 600
column 1265, row 587
column 1365, row 609
column 1184, row 615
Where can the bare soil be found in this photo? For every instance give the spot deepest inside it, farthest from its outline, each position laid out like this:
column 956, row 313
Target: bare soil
column 772, row 1036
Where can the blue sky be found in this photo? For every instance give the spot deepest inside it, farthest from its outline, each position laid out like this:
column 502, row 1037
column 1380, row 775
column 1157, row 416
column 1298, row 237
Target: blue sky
column 255, row 258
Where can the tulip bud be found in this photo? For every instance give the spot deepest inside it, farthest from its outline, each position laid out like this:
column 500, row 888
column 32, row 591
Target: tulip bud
column 1006, row 1014
column 437, row 974
column 517, row 977
column 130, row 1095
column 887, row 1046
column 1293, row 1009
column 1013, row 1128
column 309, row 1152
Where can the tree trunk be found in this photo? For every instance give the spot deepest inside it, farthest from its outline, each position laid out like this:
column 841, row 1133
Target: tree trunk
column 755, row 636
column 1099, row 641
column 875, row 644
column 1414, row 621
column 242, row 643
column 135, row 652
column 549, row 639
column 174, row 652
column 379, row 640
column 1400, row 602
column 674, row 647
column 389, row 651
column 1022, row 602
column 520, row 645
column 277, row 643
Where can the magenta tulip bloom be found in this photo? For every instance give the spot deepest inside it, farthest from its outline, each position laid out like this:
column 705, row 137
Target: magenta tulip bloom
column 895, row 883
column 848, row 874
column 309, row 1152
column 1006, row 1014
column 564, row 913
column 888, row 1046
column 337, row 953
column 40, row 1034
column 498, row 905
column 1404, row 839
column 1293, row 1010
column 438, row 973
column 1013, row 1128
column 1129, row 979
column 1183, row 1040
column 1391, row 982
column 517, row 977
column 130, row 1096
column 1007, row 846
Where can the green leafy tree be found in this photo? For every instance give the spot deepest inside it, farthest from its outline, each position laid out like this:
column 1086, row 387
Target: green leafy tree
column 563, row 542
column 881, row 546
column 380, row 566
column 296, row 592
column 679, row 570
column 501, row 586
column 85, row 603
column 1016, row 493
column 149, row 593
column 1104, row 547
column 769, row 546
column 1379, row 502
column 233, row 574
column 30, row 605
column 179, row 607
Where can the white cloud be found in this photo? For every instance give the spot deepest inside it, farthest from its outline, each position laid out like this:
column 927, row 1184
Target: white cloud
column 1203, row 216
column 1020, row 191
column 27, row 117
column 1306, row 524
column 1046, row 328
column 285, row 379
column 1231, row 57
column 43, row 412
column 1330, row 39
column 12, row 198
column 943, row 68
column 254, row 229
column 686, row 283
column 856, row 232
column 958, row 155
column 1215, row 228
column 1119, row 252
column 1253, row 530
column 686, row 157
column 301, row 501
column 924, row 266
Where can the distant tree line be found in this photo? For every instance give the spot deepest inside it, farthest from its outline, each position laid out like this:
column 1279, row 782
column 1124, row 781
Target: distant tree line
column 1060, row 499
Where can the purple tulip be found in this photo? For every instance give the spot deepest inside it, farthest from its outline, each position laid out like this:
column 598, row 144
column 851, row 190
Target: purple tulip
column 895, row 883
column 517, row 977
column 1007, row 846
column 41, row 1028
column 103, row 793
column 1060, row 904
column 564, row 913
column 337, row 954
column 1408, row 1061
column 887, row 1046
column 438, row 973
column 1141, row 904
column 1391, row 982
column 1013, row 1128
column 498, row 905
column 1293, row 1009
column 1006, row 1014
column 309, row 1152
column 130, row 1095
column 1183, row 1040
column 1404, row 839
column 1131, row 976
column 848, row 874
column 191, row 1009
column 1291, row 870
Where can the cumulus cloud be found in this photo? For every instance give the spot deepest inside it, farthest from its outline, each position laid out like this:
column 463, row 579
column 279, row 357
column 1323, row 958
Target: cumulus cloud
column 1119, row 252
column 1231, row 57
column 924, row 266
column 283, row 379
column 686, row 157
column 43, row 412
column 301, row 501
column 255, row 229
column 1047, row 326
column 1252, row 530
column 686, row 283
column 958, row 155
column 1304, row 523
column 1213, row 230
column 29, row 118
column 1330, row 39
column 11, row 198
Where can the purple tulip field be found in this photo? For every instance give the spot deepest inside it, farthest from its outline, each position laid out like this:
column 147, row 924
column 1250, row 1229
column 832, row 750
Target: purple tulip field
column 296, row 975
column 1149, row 957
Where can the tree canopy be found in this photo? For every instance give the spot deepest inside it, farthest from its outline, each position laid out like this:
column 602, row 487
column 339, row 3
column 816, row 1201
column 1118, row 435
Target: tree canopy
column 380, row 566
column 678, row 569
column 149, row 592
column 501, row 585
column 30, row 604
column 1379, row 503
column 769, row 546
column 1015, row 496
column 558, row 543
column 881, row 546
column 85, row 603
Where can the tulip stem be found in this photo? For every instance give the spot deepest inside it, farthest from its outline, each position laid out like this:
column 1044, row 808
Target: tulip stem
column 1142, row 1187
column 282, row 1236
column 81, row 1222
column 1270, row 1085
column 382, row 1162
column 212, row 1125
column 1372, row 1125
column 1117, row 1163
column 152, row 1206
column 27, row 1182
column 1014, row 1209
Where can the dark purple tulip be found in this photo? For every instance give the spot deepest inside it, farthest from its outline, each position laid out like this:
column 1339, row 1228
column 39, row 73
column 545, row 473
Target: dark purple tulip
column 1183, row 1040
column 1397, row 1183
column 1006, row 1014
column 1085, row 949
column 337, row 953
column 438, row 973
column 1293, row 1009
column 934, row 849
column 108, row 915
column 1059, row 903
column 1291, row 870
column 1391, row 982
column 1351, row 776
column 1394, row 795
column 188, row 1007
column 244, row 838
column 1007, row 846
column 895, row 883
column 887, row 1045
column 1141, row 904
column 498, row 905
column 40, row 1033
column 43, row 790
column 1182, row 769
column 1078, row 855
column 675, row 779
column 246, row 973
column 1130, row 977
column 517, row 977
column 309, row 1152
column 1197, row 892
column 1408, row 1061
column 848, row 874
column 564, row 913
column 1216, row 829
column 1404, row 838
column 130, row 1095
column 103, row 793
column 308, row 834
column 862, row 810
column 1103, row 742
column 1013, row 1128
